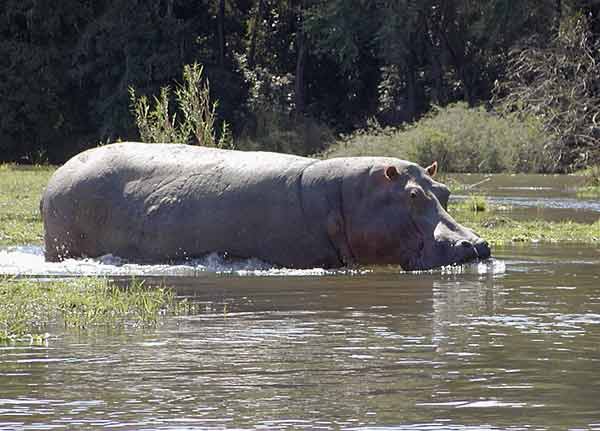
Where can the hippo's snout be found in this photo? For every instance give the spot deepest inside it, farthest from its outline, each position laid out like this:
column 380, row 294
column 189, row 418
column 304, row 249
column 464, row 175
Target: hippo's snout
column 478, row 249
column 483, row 249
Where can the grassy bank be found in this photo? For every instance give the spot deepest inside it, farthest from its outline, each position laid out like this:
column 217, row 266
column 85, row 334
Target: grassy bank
column 20, row 191
column 499, row 229
column 591, row 188
column 28, row 308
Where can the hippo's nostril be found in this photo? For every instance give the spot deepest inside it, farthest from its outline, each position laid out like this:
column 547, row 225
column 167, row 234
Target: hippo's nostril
column 464, row 243
column 483, row 249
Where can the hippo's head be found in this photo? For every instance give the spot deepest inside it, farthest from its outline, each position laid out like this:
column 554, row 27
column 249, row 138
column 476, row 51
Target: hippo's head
column 396, row 213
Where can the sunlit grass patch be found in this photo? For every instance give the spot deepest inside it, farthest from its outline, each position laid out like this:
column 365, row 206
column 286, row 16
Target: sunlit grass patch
column 474, row 203
column 500, row 229
column 28, row 308
column 20, row 190
column 539, row 231
column 589, row 192
column 591, row 187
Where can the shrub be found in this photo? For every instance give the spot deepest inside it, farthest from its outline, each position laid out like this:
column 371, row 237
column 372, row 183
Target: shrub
column 198, row 115
column 374, row 140
column 285, row 133
column 460, row 138
column 592, row 176
column 466, row 139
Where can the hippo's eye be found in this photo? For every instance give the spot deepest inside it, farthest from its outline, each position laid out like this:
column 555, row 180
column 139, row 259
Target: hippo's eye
column 415, row 193
column 416, row 197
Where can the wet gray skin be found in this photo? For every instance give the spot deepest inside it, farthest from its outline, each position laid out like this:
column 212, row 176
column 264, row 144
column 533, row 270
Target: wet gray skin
column 165, row 202
column 396, row 214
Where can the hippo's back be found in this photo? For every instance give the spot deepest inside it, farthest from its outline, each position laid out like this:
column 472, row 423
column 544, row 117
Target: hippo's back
column 166, row 201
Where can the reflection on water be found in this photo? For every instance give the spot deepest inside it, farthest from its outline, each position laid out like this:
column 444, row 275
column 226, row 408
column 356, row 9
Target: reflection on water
column 515, row 348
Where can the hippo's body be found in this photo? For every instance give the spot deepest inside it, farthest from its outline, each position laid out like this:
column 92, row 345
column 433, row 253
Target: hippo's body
column 162, row 202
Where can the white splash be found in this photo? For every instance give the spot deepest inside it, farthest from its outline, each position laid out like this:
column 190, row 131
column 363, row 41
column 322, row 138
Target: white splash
column 29, row 261
column 488, row 266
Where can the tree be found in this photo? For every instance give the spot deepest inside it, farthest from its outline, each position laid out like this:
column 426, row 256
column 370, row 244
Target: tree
column 558, row 83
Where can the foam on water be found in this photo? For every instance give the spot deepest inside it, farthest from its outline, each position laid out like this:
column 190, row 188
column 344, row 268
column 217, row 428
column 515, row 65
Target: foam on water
column 29, row 261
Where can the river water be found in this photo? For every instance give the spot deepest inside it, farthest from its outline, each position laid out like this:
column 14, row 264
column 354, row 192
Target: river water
column 512, row 343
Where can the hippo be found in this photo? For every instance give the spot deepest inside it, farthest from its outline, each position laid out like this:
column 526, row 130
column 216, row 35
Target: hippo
column 172, row 202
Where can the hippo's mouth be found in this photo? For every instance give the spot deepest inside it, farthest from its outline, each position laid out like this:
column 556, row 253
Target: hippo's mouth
column 441, row 255
column 427, row 251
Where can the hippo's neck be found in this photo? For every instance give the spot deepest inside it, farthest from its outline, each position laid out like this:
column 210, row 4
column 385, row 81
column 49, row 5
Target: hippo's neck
column 322, row 205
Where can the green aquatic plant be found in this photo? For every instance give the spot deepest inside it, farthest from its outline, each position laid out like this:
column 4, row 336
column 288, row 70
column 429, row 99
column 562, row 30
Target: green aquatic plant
column 500, row 229
column 29, row 307
column 473, row 203
column 589, row 192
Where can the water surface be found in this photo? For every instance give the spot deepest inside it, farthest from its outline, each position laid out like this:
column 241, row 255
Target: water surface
column 549, row 197
column 507, row 344
column 512, row 343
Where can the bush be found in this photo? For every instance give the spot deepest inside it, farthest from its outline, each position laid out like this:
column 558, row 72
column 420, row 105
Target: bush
column 460, row 138
column 374, row 140
column 196, row 124
column 592, row 176
column 285, row 133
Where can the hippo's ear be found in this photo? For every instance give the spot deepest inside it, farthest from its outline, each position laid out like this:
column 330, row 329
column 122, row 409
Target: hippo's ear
column 391, row 172
column 432, row 169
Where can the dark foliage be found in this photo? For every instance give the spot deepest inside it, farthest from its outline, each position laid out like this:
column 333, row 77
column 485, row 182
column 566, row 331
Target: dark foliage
column 67, row 65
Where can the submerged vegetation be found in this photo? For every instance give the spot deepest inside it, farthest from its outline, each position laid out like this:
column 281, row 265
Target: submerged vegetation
column 28, row 308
